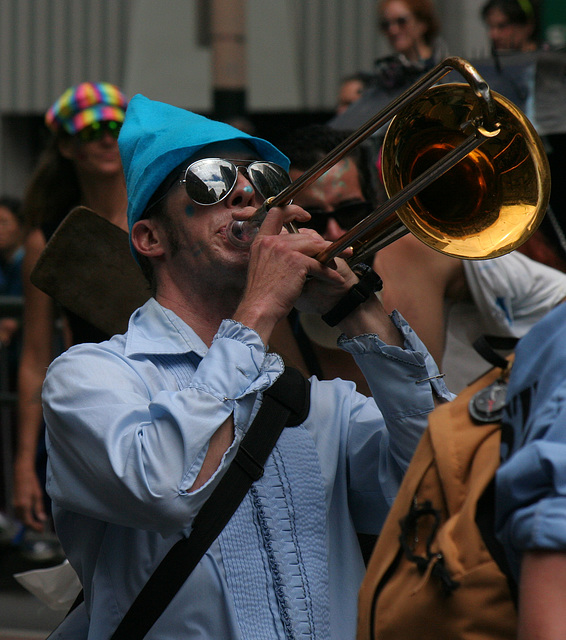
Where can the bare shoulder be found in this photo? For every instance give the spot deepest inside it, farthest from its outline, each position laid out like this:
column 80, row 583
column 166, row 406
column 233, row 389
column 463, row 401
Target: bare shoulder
column 409, row 258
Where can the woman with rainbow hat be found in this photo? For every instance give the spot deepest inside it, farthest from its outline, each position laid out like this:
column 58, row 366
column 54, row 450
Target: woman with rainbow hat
column 81, row 165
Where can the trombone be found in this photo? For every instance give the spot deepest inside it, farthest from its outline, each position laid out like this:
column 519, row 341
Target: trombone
column 463, row 168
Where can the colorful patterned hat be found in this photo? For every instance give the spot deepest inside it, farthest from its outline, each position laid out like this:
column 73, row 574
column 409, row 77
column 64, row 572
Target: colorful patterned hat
column 84, row 104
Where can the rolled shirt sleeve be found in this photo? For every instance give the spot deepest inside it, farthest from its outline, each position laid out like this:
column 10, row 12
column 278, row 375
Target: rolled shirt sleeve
column 380, row 443
column 404, row 383
column 108, row 416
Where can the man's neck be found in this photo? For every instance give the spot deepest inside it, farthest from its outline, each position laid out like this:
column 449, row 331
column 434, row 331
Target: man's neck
column 203, row 312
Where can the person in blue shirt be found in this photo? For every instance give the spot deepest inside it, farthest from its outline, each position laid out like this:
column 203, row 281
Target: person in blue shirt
column 141, row 428
column 531, row 481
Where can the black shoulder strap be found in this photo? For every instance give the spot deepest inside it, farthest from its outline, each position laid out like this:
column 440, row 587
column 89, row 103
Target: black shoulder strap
column 486, row 346
column 285, row 403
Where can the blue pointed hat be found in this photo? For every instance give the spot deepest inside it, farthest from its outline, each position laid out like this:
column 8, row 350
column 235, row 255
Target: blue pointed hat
column 156, row 137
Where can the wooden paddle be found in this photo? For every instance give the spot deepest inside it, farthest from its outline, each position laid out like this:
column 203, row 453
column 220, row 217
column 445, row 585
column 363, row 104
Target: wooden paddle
column 88, row 268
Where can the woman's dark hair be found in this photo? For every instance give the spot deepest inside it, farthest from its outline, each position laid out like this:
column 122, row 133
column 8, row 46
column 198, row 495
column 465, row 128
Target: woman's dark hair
column 53, row 189
column 425, row 12
column 520, row 12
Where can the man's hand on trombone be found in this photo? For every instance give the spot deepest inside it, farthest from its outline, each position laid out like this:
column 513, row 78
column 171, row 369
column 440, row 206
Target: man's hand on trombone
column 284, row 273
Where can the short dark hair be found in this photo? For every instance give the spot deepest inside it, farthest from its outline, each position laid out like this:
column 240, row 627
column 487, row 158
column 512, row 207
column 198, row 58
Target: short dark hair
column 361, row 76
column 15, row 206
column 157, row 209
column 307, row 145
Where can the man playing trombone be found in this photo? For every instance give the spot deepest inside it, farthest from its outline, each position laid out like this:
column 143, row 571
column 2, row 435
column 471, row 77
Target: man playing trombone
column 142, row 428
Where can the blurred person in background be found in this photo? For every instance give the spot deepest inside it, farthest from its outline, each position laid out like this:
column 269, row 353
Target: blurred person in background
column 412, row 30
column 351, row 88
column 11, row 258
column 11, row 246
column 514, row 32
column 512, row 24
column 81, row 165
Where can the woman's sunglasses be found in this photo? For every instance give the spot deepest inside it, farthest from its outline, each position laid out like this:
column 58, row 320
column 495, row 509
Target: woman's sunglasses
column 346, row 215
column 399, row 22
column 97, row 131
column 210, row 180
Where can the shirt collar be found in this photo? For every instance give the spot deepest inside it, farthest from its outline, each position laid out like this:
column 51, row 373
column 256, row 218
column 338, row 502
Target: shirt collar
column 154, row 329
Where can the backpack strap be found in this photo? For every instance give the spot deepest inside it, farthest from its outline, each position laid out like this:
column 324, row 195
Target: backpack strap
column 486, row 346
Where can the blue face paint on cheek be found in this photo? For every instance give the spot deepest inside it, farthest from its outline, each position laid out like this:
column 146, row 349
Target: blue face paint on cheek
column 196, row 249
column 189, row 211
column 248, row 189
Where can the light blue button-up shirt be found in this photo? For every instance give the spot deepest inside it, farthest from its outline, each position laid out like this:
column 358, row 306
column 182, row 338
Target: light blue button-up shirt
column 128, row 424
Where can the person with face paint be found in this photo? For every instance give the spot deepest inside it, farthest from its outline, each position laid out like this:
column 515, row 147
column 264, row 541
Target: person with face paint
column 141, row 428
column 448, row 302
column 80, row 166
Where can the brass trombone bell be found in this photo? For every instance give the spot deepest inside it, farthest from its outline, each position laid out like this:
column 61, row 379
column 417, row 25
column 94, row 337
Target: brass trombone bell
column 484, row 203
column 464, row 170
column 493, row 200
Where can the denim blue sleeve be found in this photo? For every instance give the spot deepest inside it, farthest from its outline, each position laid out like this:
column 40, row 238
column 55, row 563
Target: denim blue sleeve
column 531, row 489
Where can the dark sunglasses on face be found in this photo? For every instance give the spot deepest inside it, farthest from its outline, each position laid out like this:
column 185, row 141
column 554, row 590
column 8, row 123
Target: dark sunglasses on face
column 97, row 131
column 346, row 215
column 399, row 22
column 210, row 180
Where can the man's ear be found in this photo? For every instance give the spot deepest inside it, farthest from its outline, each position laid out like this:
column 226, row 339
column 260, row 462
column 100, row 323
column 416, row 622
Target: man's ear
column 147, row 238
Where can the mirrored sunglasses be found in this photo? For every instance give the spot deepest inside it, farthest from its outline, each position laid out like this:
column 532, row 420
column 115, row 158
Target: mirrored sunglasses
column 210, row 180
column 97, row 131
column 346, row 215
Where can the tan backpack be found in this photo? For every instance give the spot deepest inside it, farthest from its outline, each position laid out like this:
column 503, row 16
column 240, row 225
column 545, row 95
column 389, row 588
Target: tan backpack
column 431, row 575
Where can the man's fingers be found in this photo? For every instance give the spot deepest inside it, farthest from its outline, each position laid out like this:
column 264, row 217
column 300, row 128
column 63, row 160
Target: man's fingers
column 328, row 272
column 277, row 217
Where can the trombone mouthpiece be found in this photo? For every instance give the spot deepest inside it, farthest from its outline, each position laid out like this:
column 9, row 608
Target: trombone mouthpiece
column 241, row 233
